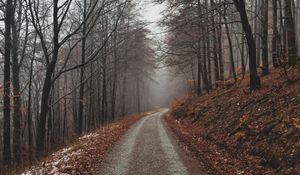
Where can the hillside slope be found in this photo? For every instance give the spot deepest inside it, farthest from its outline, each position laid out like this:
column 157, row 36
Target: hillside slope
column 233, row 131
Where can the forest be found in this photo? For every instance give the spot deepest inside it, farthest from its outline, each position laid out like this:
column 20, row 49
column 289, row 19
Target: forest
column 69, row 67
column 212, row 41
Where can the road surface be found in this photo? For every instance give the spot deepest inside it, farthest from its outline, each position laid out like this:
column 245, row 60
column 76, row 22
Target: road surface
column 148, row 148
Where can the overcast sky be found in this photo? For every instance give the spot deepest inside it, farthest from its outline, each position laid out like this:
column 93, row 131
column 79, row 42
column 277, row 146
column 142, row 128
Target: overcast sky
column 152, row 14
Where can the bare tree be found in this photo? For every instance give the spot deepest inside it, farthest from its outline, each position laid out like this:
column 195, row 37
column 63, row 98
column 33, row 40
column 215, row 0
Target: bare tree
column 290, row 32
column 254, row 78
column 265, row 51
column 7, row 84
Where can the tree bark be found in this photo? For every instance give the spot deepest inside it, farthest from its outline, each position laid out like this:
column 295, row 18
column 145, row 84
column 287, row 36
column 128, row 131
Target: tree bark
column 276, row 37
column 16, row 90
column 254, row 78
column 81, row 89
column 29, row 115
column 202, row 50
column 199, row 70
column 230, row 46
column 283, row 42
column 115, row 77
column 265, row 55
column 6, row 105
column 220, row 53
column 138, row 94
column 258, row 32
column 48, row 82
column 215, row 44
column 291, row 33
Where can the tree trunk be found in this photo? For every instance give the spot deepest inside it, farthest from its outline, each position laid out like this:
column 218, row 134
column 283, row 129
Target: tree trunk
column 291, row 33
column 99, row 118
column 47, row 82
column 104, row 80
column 29, row 115
column 220, row 54
column 138, row 95
column 230, row 47
column 242, row 56
column 265, row 55
column 6, row 105
column 208, row 60
column 208, row 52
column 275, row 38
column 199, row 60
column 16, row 91
column 254, row 78
column 283, row 48
column 204, row 53
column 258, row 31
column 124, row 90
column 215, row 45
column 81, row 89
column 115, row 77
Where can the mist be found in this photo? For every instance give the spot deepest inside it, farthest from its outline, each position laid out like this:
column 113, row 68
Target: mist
column 166, row 88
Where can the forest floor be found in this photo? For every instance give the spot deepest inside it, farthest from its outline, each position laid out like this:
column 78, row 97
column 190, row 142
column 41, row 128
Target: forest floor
column 86, row 153
column 233, row 131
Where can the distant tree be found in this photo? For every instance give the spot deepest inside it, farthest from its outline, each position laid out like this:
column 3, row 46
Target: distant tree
column 83, row 48
column 290, row 32
column 276, row 36
column 231, row 56
column 265, row 51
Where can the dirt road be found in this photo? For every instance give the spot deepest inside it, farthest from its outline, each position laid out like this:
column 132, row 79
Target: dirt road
column 148, row 148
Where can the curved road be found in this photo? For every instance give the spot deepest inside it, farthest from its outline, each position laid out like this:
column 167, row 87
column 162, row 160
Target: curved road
column 148, row 148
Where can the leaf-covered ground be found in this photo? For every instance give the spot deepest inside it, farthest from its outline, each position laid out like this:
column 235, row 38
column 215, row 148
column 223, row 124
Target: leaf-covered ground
column 86, row 153
column 233, row 131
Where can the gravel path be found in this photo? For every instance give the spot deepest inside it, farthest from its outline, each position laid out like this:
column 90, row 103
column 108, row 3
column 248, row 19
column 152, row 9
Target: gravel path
column 148, row 148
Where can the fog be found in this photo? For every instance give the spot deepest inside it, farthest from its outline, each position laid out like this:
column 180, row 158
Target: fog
column 166, row 86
